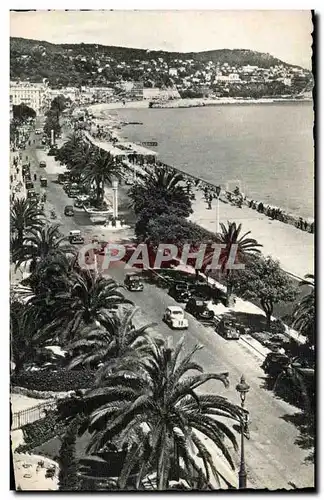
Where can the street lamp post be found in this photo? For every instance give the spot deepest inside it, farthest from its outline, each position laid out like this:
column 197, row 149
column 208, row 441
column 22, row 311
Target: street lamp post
column 242, row 388
column 115, row 199
column 218, row 191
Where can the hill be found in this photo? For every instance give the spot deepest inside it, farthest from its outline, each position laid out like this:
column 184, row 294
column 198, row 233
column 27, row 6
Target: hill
column 92, row 64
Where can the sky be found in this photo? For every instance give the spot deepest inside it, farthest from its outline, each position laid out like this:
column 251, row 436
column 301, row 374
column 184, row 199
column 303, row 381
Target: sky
column 285, row 34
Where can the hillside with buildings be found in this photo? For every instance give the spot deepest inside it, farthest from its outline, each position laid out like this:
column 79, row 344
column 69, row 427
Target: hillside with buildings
column 128, row 72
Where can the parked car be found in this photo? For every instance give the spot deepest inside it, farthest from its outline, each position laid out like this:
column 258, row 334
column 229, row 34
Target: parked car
column 174, row 317
column 75, row 237
column 29, row 184
column 61, row 178
column 25, row 168
column 43, row 182
column 274, row 363
column 69, row 211
column 228, row 329
column 42, row 164
column 197, row 306
column 133, row 282
column 180, row 291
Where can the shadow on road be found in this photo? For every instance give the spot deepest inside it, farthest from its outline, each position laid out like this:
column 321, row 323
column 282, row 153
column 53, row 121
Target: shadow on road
column 305, row 423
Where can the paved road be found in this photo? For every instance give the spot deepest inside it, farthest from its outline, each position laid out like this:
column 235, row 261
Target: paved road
column 273, row 459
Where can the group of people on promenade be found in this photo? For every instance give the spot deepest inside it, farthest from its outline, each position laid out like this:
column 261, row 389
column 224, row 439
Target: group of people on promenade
column 276, row 213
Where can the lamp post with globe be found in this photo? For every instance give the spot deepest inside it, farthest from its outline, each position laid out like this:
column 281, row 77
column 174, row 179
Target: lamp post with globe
column 242, row 388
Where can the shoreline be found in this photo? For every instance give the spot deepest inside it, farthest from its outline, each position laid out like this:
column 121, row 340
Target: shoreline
column 114, row 123
column 195, row 102
column 292, row 247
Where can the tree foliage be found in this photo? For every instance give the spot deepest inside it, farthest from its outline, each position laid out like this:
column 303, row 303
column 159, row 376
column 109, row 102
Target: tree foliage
column 263, row 280
column 304, row 314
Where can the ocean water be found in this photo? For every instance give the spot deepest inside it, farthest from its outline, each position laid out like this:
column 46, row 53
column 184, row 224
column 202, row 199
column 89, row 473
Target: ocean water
column 267, row 148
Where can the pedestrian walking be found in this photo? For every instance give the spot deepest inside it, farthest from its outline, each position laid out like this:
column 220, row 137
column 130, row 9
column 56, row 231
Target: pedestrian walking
column 35, row 177
column 11, row 178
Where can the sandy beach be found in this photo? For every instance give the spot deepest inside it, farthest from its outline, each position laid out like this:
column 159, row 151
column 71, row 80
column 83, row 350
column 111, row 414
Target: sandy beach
column 183, row 103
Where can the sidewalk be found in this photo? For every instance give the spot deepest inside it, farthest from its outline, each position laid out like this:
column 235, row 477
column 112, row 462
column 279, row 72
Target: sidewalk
column 292, row 247
column 19, row 191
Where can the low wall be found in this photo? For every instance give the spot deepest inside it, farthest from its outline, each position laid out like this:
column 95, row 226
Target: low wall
column 31, row 393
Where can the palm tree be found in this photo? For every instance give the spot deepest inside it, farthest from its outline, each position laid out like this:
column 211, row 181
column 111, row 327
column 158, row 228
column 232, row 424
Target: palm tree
column 24, row 217
column 100, row 171
column 80, row 158
column 300, row 380
column 157, row 411
column 245, row 247
column 304, row 314
column 114, row 339
column 24, row 342
column 40, row 243
column 51, row 274
column 89, row 299
column 164, row 187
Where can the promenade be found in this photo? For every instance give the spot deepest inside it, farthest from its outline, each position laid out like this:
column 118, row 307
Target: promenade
column 293, row 248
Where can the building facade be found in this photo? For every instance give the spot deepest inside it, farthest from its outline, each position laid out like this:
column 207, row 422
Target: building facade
column 34, row 95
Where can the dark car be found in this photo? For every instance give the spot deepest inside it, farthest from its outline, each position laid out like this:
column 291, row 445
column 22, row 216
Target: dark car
column 133, row 282
column 62, row 178
column 208, row 292
column 25, row 168
column 180, row 291
column 274, row 363
column 228, row 329
column 29, row 184
column 69, row 211
column 43, row 182
column 197, row 306
column 42, row 164
column 75, row 237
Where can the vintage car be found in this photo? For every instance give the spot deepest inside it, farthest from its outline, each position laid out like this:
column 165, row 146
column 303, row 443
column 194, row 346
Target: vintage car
column 228, row 329
column 69, row 211
column 133, row 282
column 32, row 195
column 274, row 363
column 61, row 178
column 42, row 164
column 29, row 184
column 180, row 291
column 75, row 237
column 25, row 168
column 43, row 182
column 197, row 306
column 174, row 317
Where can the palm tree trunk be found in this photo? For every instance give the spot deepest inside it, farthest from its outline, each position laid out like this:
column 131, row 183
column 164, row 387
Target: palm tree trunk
column 267, row 306
column 98, row 196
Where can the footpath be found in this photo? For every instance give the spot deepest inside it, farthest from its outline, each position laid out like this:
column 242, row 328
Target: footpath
column 293, row 248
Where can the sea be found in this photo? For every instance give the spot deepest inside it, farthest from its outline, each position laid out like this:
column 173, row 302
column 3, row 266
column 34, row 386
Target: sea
column 266, row 149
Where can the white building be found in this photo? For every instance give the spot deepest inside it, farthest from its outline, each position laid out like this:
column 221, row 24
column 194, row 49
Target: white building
column 159, row 94
column 34, row 95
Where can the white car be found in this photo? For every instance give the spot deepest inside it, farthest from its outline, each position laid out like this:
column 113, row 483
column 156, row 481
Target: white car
column 174, row 317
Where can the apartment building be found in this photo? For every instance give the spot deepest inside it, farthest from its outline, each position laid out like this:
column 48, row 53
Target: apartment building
column 33, row 95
